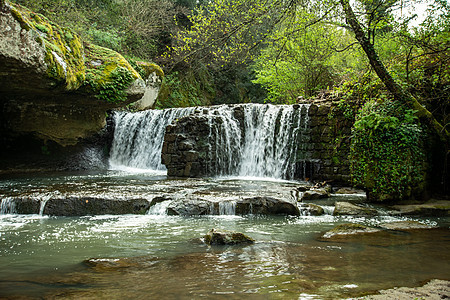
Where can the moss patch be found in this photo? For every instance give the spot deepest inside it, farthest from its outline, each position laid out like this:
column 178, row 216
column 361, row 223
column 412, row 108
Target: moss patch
column 64, row 50
column 108, row 73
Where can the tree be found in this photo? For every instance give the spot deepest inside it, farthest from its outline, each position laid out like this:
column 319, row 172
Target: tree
column 400, row 94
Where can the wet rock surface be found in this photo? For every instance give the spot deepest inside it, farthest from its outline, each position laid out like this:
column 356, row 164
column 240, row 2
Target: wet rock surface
column 349, row 209
column 74, row 206
column 430, row 208
column 315, row 194
column 406, row 225
column 308, row 209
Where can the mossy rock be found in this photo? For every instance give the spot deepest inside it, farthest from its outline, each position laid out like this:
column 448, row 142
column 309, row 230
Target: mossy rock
column 64, row 49
column 108, row 74
column 80, row 66
column 225, row 237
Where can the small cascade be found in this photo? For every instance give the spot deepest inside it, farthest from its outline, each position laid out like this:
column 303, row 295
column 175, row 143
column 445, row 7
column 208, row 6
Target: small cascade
column 7, row 206
column 159, row 209
column 138, row 137
column 227, row 208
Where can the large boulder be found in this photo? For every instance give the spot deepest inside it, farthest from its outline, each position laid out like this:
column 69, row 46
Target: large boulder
column 315, row 194
column 431, row 208
column 189, row 207
column 266, row 206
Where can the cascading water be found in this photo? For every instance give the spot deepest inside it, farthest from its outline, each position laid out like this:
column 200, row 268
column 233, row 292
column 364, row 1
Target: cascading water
column 249, row 140
column 271, row 140
column 264, row 143
column 138, row 137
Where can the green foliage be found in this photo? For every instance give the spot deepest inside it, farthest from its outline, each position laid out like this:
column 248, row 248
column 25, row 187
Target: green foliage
column 300, row 60
column 184, row 90
column 386, row 153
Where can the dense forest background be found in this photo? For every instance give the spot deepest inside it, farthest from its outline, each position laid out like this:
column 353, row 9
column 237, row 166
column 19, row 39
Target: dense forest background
column 386, row 69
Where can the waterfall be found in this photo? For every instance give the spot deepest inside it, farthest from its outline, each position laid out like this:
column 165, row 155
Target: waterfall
column 249, row 140
column 138, row 137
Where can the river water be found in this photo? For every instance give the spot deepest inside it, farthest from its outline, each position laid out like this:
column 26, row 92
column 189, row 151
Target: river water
column 158, row 256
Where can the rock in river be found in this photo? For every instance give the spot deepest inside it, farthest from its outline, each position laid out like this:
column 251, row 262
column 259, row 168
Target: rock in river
column 349, row 209
column 225, row 237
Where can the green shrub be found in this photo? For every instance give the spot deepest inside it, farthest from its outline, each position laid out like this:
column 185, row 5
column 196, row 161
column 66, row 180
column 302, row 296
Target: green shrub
column 386, row 153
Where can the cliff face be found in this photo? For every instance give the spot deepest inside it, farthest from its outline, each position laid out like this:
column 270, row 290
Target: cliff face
column 56, row 87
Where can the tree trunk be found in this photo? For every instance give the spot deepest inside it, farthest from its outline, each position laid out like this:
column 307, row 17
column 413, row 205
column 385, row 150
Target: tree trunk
column 393, row 87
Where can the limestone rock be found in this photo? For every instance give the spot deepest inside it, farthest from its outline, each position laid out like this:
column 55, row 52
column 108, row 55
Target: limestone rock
column 347, row 190
column 225, row 237
column 189, row 207
column 347, row 208
column 349, row 229
column 255, row 205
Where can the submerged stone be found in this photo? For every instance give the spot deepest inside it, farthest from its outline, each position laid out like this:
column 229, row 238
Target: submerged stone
column 405, row 225
column 349, row 229
column 225, row 237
